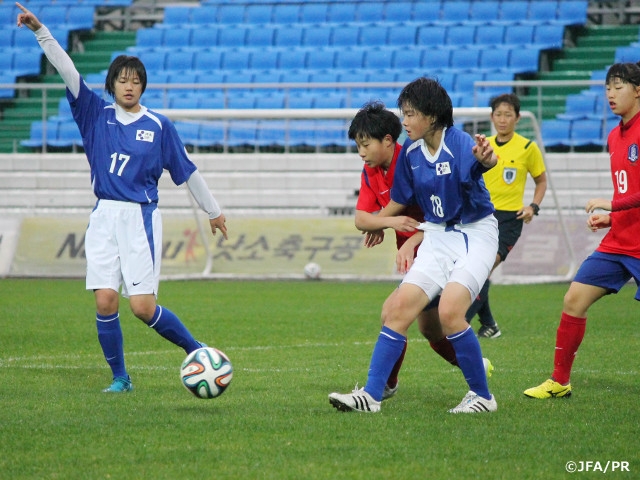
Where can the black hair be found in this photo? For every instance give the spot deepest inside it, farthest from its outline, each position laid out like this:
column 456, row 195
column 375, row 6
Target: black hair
column 428, row 97
column 626, row 72
column 374, row 120
column 508, row 98
column 128, row 64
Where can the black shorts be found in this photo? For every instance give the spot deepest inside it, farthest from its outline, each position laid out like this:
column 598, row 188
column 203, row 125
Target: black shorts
column 509, row 231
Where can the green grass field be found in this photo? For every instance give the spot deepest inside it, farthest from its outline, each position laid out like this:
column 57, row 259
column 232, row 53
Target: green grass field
column 291, row 344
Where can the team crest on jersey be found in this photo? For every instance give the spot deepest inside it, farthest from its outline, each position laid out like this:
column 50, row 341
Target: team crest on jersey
column 144, row 136
column 632, row 153
column 443, row 168
column 509, row 175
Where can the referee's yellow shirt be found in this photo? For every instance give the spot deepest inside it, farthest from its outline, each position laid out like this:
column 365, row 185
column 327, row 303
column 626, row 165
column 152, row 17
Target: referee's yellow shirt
column 507, row 180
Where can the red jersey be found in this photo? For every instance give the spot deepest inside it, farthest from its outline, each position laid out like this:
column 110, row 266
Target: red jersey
column 624, row 235
column 375, row 193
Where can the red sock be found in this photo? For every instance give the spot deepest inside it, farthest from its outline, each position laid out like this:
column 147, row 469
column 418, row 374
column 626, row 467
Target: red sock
column 392, row 381
column 568, row 339
column 445, row 350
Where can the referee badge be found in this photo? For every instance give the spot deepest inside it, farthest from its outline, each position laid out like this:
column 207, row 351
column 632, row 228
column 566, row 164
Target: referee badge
column 509, row 175
column 632, row 153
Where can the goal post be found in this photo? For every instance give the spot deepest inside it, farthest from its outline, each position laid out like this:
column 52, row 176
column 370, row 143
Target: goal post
column 473, row 120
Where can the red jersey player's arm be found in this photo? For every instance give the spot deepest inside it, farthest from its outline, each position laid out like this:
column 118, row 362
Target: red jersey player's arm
column 632, row 201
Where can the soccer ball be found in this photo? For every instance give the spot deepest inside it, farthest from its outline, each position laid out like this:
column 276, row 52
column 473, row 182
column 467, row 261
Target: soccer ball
column 206, row 372
column 312, row 271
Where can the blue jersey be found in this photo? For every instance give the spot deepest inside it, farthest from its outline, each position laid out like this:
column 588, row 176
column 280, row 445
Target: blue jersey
column 448, row 186
column 126, row 157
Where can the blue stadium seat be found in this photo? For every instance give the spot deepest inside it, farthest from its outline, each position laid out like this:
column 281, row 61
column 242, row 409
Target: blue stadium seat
column 177, row 37
column 6, row 38
column 490, row 34
column 286, row 13
column 300, row 100
column 446, row 79
column 398, row 11
column 271, row 133
column 213, row 76
column 270, row 100
column 464, row 58
column 229, row 13
column 494, row 58
column 24, row 38
column 436, row 58
column 426, row 11
column 331, row 133
column 630, row 53
column 464, row 82
column 317, row 36
column 80, row 17
column 235, row 59
column 518, row 35
column 212, row 102
column 264, row 59
column 153, row 59
column 322, row 58
column 344, row 36
column 491, row 91
column 347, row 58
column 549, row 35
column 179, row 60
column 406, row 59
column 260, row 36
column 572, row 12
column 325, row 76
column 177, row 15
column 68, row 135
column 453, row 12
column 204, row 15
column 585, row 132
column 241, row 100
column 370, row 11
column 484, row 11
column 64, row 110
column 578, row 106
column 53, row 14
column 293, row 60
column 373, row 35
column 288, row 36
column 460, row 35
column 40, row 130
column 182, row 77
column 189, row 132
column 314, row 12
column 378, row 58
column 232, row 36
column 258, row 14
column 242, row 133
column 4, row 78
column 26, row 64
column 341, row 12
column 8, row 14
column 542, row 10
column 524, row 59
column 206, row 36
column 431, row 35
column 555, row 133
column 6, row 61
column 405, row 35
column 185, row 102
column 149, row 37
column 514, row 11
column 207, row 60
column 211, row 134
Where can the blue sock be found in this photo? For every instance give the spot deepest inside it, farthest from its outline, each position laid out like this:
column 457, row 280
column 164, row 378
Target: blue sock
column 469, row 358
column 386, row 352
column 169, row 326
column 111, row 341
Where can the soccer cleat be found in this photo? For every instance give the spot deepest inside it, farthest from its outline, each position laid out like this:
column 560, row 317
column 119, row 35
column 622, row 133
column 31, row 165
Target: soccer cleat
column 119, row 385
column 474, row 403
column 549, row 389
column 489, row 332
column 358, row 400
column 389, row 392
column 488, row 367
column 202, row 344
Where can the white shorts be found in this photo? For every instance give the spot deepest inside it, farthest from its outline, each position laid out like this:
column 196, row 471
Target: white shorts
column 123, row 245
column 463, row 254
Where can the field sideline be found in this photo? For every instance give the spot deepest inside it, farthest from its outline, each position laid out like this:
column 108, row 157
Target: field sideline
column 291, row 344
